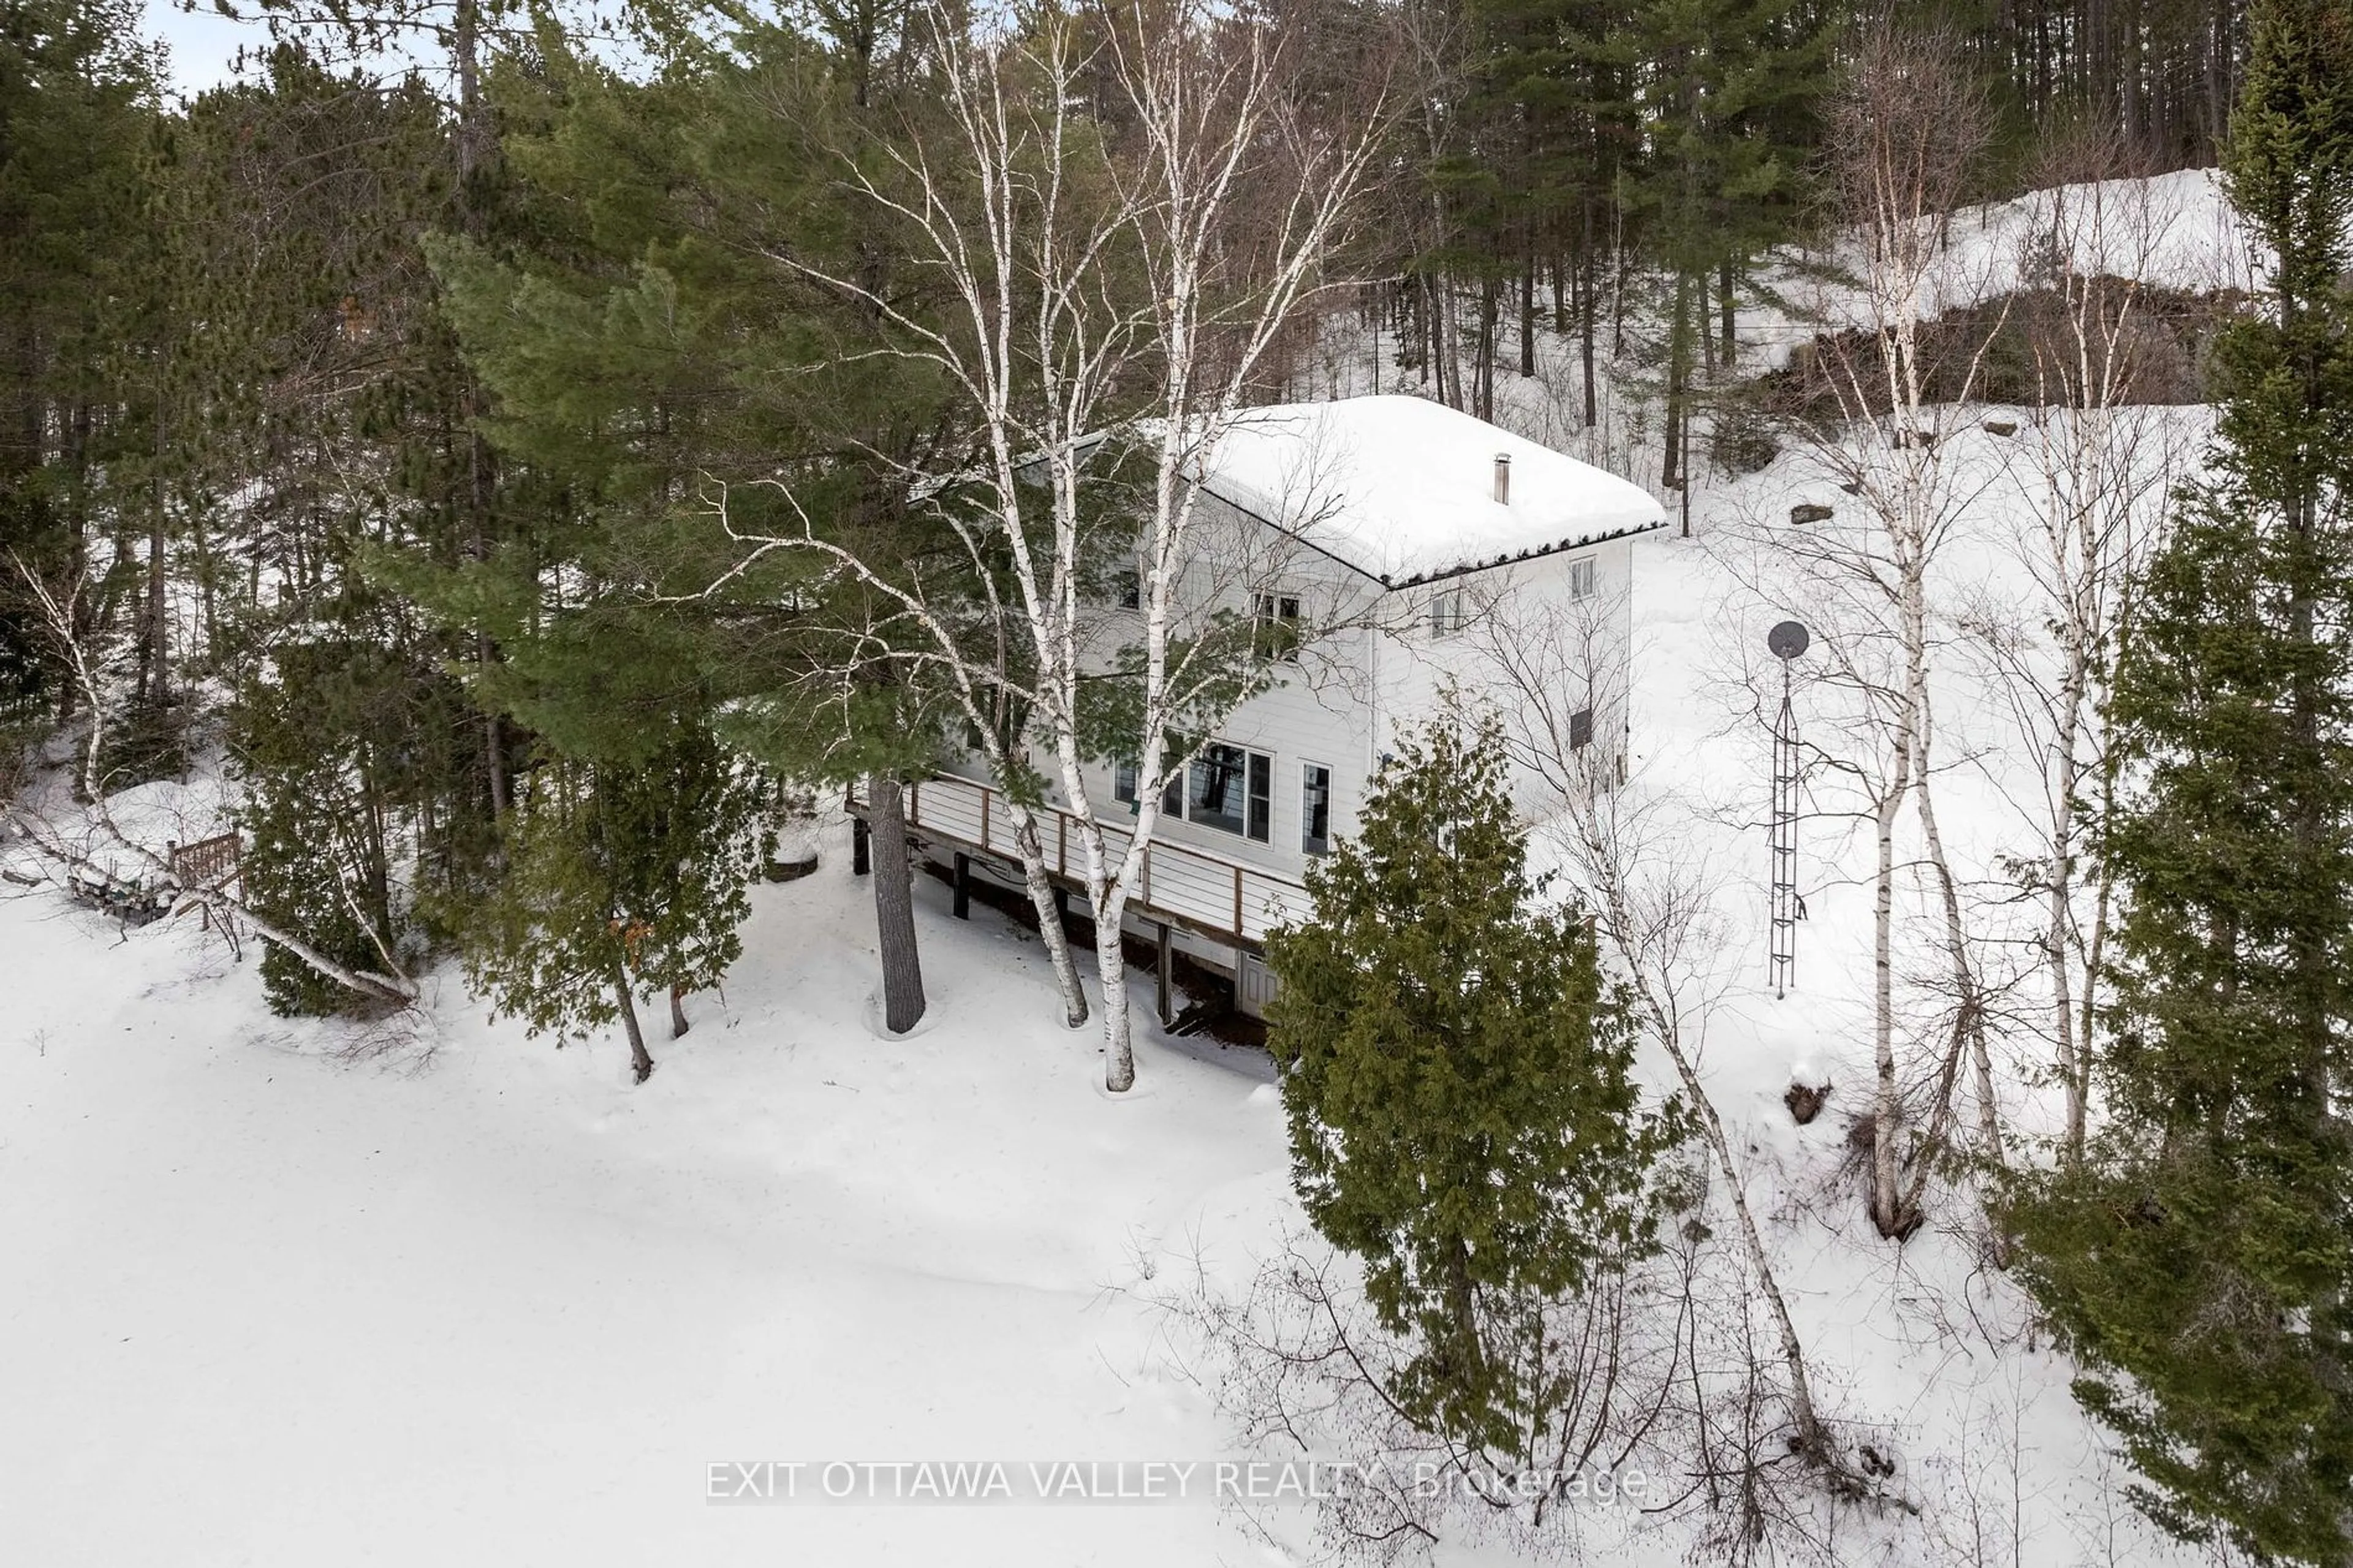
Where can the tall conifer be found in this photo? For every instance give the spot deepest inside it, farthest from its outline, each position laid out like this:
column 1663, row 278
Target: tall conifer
column 2199, row 1261
column 1457, row 1080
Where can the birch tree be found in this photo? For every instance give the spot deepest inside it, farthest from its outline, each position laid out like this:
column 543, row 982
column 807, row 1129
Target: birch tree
column 1893, row 387
column 1120, row 211
column 1652, row 901
column 2100, row 457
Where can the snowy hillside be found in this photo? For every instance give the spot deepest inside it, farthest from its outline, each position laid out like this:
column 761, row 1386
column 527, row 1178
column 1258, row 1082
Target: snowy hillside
column 468, row 1298
column 2175, row 232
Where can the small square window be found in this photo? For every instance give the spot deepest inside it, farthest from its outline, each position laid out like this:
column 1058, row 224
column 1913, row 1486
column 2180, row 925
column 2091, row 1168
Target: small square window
column 1584, row 579
column 1580, row 729
column 1274, row 626
column 1131, row 589
column 1123, row 784
column 1448, row 612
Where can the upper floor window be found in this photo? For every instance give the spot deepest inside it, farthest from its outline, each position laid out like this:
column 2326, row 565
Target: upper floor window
column 1583, row 578
column 1274, row 626
column 1131, row 589
column 1450, row 612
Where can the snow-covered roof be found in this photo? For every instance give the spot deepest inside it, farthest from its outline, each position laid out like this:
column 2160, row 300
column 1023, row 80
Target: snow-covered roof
column 1402, row 489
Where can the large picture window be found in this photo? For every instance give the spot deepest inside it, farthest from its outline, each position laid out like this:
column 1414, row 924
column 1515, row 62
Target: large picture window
column 1232, row 790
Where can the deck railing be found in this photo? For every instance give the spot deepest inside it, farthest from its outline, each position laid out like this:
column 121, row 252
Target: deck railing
column 1195, row 888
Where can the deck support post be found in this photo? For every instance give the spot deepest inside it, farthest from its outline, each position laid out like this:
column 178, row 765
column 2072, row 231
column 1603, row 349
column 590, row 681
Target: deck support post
column 1165, row 977
column 964, row 887
column 860, row 861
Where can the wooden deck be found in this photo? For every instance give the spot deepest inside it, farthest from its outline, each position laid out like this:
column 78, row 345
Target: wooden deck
column 1194, row 891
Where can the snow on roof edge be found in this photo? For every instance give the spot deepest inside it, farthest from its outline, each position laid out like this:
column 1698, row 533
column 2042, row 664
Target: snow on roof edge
column 1390, row 583
column 1398, row 487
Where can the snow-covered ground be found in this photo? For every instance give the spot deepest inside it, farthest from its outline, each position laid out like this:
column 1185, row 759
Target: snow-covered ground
column 472, row 1299
column 261, row 1306
column 2175, row 231
column 1928, row 1344
column 265, row 1305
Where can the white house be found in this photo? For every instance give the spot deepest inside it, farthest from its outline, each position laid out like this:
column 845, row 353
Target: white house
column 1407, row 543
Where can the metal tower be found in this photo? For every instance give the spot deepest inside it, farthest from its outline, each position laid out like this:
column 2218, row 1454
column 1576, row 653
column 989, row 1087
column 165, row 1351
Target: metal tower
column 1786, row 641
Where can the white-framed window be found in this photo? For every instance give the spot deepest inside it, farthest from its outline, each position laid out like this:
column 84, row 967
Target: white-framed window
column 1584, row 577
column 1314, row 808
column 1274, row 626
column 1127, row 789
column 1231, row 789
column 1450, row 611
column 1130, row 588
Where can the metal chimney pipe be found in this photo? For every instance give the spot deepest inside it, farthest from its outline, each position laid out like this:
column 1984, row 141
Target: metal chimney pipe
column 1502, row 478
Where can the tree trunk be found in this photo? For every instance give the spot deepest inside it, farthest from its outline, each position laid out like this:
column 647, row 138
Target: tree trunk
column 678, row 1023
column 2059, row 928
column 2095, row 957
column 1111, row 972
column 1040, row 887
column 1622, row 260
column 1588, row 314
column 894, row 904
column 1528, row 310
column 1449, row 330
column 1887, row 1108
column 1679, row 384
column 1727, row 307
column 1470, row 1354
column 639, row 1057
column 1490, row 309
column 473, row 146
column 153, row 653
column 2062, row 1010
column 1968, row 995
column 77, row 450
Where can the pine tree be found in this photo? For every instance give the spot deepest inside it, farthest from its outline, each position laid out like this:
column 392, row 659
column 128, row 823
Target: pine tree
column 1458, row 1083
column 624, row 882
column 1730, row 100
column 341, row 743
column 78, row 101
column 306, row 421
column 2198, row 1262
column 643, row 349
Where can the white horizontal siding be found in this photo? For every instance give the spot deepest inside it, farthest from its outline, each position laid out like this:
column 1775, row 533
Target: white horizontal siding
column 1357, row 689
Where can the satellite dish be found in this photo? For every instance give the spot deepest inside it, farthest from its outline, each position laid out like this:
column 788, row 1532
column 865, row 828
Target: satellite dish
column 1786, row 640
